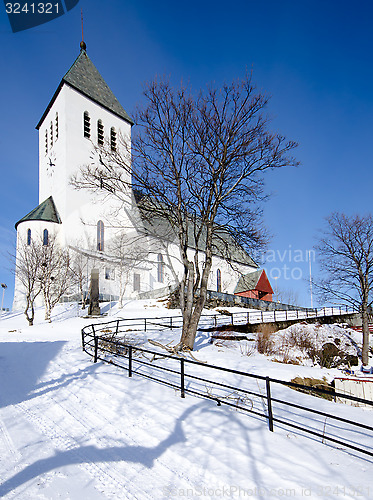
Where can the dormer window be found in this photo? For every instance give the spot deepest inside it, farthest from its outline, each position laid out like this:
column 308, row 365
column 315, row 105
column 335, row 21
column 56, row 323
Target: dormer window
column 87, row 125
column 100, row 133
column 113, row 139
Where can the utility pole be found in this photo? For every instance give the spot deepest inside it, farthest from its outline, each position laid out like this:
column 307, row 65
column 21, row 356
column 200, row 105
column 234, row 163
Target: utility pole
column 309, row 261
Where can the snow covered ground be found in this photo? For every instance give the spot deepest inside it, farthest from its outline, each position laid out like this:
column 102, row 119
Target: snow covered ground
column 72, row 429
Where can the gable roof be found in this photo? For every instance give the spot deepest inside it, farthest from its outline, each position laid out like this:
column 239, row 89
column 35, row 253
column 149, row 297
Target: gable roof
column 256, row 280
column 84, row 77
column 223, row 244
column 46, row 211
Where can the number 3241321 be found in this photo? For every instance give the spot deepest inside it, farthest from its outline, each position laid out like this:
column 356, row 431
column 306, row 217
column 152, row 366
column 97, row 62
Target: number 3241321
column 31, row 8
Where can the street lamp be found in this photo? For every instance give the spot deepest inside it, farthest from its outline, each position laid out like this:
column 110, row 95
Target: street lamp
column 3, row 286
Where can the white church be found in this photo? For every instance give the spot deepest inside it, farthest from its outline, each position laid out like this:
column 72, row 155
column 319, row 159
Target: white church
column 111, row 236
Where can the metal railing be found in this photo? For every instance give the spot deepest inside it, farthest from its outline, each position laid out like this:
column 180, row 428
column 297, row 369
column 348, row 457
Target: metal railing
column 210, row 320
column 252, row 394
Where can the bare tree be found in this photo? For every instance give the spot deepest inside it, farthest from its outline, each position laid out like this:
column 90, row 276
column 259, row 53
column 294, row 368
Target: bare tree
column 27, row 267
column 346, row 258
column 80, row 262
column 55, row 274
column 197, row 161
column 288, row 296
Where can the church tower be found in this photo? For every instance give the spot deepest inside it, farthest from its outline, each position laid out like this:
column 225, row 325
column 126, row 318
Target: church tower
column 82, row 115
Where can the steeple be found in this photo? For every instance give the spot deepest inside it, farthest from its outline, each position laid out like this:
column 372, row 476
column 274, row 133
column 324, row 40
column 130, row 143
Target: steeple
column 84, row 77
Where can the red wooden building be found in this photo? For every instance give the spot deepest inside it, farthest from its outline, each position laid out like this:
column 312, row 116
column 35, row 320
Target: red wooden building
column 255, row 286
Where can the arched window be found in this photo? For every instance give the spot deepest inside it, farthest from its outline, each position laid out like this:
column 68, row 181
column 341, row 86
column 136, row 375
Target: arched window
column 100, row 133
column 100, row 236
column 56, row 122
column 29, row 236
column 160, row 270
column 46, row 142
column 136, row 282
column 113, row 139
column 87, row 125
column 218, row 280
column 51, row 133
column 45, row 237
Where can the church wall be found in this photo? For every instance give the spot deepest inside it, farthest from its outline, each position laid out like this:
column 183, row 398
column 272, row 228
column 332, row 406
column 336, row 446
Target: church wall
column 173, row 269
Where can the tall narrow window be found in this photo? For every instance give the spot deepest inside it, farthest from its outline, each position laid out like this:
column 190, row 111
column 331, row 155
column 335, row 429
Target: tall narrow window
column 46, row 142
column 136, row 282
column 56, row 124
column 29, row 236
column 113, row 139
column 218, row 280
column 87, row 125
column 100, row 133
column 51, row 133
column 45, row 237
column 100, row 236
column 160, row 272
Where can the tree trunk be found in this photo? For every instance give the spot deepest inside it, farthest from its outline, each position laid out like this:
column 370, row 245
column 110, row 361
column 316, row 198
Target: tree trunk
column 48, row 309
column 191, row 325
column 365, row 324
column 30, row 318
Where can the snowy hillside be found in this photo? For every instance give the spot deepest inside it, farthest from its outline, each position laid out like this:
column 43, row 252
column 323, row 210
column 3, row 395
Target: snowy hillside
column 72, row 429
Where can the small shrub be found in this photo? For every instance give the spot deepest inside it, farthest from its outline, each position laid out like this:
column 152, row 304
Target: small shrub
column 301, row 339
column 247, row 350
column 264, row 342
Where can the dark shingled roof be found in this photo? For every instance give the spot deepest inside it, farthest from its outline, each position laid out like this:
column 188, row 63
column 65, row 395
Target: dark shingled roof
column 46, row 211
column 223, row 246
column 248, row 282
column 84, row 77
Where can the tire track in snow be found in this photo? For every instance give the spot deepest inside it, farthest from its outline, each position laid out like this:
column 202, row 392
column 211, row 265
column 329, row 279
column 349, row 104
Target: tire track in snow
column 106, row 482
column 7, row 448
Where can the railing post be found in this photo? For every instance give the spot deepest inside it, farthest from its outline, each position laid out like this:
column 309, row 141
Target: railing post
column 269, row 404
column 170, row 321
column 182, row 376
column 116, row 331
column 83, row 342
column 96, row 349
column 215, row 320
column 261, row 314
column 130, row 361
column 248, row 318
column 145, row 324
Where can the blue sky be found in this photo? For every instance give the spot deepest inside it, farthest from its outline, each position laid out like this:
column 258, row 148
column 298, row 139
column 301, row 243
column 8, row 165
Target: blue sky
column 313, row 57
